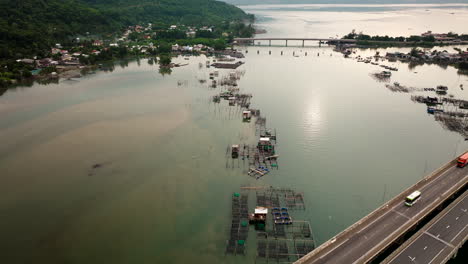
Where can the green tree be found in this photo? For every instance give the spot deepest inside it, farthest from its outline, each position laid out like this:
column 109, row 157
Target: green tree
column 219, row 44
column 165, row 60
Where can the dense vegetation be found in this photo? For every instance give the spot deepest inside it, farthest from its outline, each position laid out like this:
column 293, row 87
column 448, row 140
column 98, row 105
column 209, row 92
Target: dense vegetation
column 30, row 27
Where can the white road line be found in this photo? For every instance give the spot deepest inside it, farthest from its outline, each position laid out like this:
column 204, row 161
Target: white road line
column 391, row 234
column 436, row 256
column 433, row 183
column 407, row 246
column 337, row 246
column 425, row 248
column 371, row 223
column 458, row 233
column 437, row 238
column 400, row 214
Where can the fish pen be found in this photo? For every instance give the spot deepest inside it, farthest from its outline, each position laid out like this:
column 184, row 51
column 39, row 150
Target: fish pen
column 462, row 104
column 426, row 100
column 398, row 88
column 284, row 244
column 453, row 123
column 239, row 225
column 277, row 197
column 450, row 113
column 258, row 161
column 303, row 248
column 268, row 133
column 277, row 241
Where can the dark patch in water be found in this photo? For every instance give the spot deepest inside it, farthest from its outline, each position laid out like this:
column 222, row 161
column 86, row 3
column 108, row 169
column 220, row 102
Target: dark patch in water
column 93, row 170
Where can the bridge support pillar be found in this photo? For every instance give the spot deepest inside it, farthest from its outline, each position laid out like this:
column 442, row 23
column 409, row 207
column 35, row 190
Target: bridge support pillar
column 286, row 43
column 281, row 53
column 269, row 42
column 303, row 43
column 320, row 43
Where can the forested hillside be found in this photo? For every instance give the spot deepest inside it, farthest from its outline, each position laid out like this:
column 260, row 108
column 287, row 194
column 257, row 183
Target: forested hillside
column 30, row 26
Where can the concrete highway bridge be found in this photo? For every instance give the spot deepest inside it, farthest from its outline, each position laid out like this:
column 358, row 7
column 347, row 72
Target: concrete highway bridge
column 374, row 237
column 320, row 40
column 438, row 240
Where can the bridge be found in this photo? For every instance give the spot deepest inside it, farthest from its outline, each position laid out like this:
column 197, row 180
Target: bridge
column 367, row 240
column 437, row 241
column 320, row 40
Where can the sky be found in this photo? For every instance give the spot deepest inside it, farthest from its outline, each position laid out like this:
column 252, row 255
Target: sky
column 247, row 2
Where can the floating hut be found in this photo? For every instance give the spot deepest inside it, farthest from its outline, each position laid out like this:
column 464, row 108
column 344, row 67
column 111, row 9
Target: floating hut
column 235, row 151
column 246, row 115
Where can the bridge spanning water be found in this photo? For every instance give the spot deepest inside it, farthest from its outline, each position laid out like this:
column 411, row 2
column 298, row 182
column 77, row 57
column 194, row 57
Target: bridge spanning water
column 320, row 40
column 368, row 240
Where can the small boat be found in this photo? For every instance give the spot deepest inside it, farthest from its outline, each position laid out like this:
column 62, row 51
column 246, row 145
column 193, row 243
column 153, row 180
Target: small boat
column 432, row 110
column 441, row 88
column 385, row 74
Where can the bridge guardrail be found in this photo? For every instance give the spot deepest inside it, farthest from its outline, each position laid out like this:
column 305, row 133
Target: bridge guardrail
column 380, row 209
column 417, row 235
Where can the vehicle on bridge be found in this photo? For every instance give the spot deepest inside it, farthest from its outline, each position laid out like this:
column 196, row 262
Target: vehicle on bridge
column 412, row 198
column 462, row 160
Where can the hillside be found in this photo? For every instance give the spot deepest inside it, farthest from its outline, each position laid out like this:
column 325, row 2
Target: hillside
column 31, row 26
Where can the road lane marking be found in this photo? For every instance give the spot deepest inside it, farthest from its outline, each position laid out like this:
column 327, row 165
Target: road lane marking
column 458, row 233
column 439, row 239
column 425, row 248
column 391, row 234
column 436, row 256
column 334, row 248
column 401, row 214
column 432, row 187
column 371, row 223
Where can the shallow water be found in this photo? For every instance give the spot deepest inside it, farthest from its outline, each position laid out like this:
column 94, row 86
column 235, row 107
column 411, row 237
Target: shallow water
column 162, row 191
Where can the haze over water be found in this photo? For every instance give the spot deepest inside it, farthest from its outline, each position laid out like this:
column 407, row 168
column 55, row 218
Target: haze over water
column 337, row 20
column 162, row 193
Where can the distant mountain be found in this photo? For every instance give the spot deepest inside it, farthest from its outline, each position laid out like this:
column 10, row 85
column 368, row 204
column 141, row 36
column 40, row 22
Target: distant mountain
column 31, row 26
column 259, row 2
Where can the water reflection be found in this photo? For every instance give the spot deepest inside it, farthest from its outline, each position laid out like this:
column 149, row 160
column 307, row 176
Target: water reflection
column 165, row 70
column 313, row 119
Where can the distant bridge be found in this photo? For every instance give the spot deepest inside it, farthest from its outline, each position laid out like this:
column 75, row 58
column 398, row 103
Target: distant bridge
column 320, row 40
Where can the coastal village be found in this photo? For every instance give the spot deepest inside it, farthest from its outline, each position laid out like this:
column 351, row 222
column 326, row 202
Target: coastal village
column 84, row 52
column 67, row 61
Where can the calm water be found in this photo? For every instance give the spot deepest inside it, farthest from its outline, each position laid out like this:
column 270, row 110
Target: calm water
column 324, row 21
column 162, row 194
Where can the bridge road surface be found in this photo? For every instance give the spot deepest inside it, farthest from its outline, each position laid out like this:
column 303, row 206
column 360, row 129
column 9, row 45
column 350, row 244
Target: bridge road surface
column 438, row 239
column 373, row 233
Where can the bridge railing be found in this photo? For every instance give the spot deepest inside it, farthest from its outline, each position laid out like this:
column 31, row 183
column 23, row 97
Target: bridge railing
column 397, row 199
column 417, row 235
